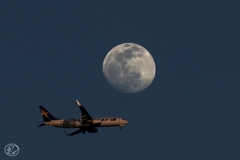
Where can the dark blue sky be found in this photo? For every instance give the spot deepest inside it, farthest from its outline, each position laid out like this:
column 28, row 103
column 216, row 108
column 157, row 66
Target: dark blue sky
column 51, row 53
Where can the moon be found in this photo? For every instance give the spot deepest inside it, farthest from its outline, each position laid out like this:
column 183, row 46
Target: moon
column 129, row 68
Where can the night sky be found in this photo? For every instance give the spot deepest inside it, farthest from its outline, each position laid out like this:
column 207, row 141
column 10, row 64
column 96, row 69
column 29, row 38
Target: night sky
column 51, row 53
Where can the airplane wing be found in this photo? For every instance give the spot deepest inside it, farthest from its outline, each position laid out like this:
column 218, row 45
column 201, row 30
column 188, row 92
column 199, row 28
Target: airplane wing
column 76, row 132
column 85, row 115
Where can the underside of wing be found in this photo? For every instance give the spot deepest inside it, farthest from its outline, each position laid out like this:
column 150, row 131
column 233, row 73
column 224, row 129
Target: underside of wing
column 83, row 130
column 74, row 133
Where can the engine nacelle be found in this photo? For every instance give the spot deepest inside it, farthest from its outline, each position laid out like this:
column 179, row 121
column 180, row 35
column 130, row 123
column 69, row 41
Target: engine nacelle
column 93, row 130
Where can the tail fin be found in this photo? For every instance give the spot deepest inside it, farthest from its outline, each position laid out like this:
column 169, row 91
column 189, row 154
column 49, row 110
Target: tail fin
column 47, row 116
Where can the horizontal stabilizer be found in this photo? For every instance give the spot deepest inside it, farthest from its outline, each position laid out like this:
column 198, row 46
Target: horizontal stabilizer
column 41, row 125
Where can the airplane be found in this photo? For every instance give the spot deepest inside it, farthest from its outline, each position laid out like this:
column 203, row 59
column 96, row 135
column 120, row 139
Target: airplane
column 85, row 124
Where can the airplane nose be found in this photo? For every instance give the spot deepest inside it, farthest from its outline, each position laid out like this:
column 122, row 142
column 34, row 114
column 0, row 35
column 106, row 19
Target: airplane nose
column 127, row 122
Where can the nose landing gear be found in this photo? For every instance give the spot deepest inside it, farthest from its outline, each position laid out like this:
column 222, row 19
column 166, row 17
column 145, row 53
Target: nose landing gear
column 120, row 127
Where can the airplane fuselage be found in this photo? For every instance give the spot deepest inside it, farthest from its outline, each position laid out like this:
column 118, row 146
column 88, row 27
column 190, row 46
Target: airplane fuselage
column 84, row 124
column 96, row 122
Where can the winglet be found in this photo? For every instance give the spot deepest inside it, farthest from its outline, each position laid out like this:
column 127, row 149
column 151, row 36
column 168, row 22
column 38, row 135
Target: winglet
column 78, row 103
column 66, row 133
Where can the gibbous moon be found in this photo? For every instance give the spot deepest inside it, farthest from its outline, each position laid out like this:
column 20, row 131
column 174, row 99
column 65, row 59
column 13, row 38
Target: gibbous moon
column 129, row 68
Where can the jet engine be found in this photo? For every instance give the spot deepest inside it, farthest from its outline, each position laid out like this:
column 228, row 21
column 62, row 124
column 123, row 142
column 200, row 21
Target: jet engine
column 93, row 130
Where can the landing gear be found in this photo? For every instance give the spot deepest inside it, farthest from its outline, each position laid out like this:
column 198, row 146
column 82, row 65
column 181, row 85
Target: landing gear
column 120, row 127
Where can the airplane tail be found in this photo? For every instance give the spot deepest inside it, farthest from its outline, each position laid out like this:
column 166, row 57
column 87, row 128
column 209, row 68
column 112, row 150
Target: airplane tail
column 47, row 116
